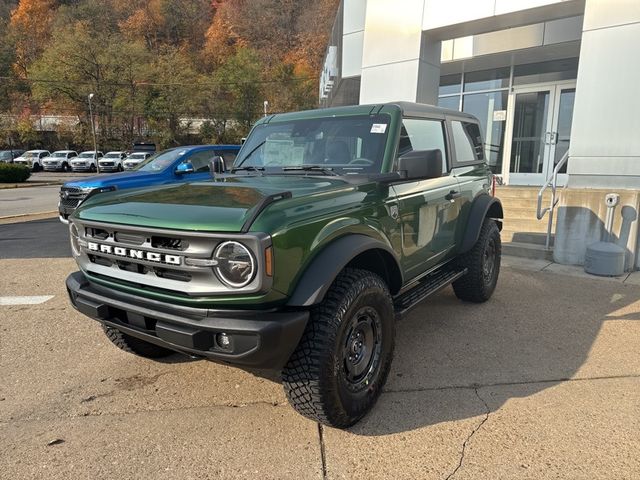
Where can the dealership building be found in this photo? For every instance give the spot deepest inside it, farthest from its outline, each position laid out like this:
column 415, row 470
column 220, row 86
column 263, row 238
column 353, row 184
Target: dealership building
column 544, row 77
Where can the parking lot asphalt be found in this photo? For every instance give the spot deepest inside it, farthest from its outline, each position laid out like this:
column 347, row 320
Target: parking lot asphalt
column 542, row 381
column 28, row 201
column 47, row 238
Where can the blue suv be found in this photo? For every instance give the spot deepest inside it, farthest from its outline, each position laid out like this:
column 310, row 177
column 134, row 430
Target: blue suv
column 181, row 164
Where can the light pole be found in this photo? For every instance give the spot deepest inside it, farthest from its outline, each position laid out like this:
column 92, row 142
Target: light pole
column 266, row 106
column 93, row 131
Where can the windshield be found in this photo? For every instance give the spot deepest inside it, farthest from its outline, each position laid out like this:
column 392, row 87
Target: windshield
column 160, row 161
column 86, row 155
column 348, row 145
column 31, row 154
column 5, row 155
column 112, row 155
column 59, row 154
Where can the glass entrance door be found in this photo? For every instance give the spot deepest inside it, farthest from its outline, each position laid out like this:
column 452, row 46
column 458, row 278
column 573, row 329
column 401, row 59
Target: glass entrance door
column 539, row 130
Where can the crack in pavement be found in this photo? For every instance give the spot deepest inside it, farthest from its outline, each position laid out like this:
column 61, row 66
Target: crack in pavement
column 474, row 431
column 323, row 455
column 508, row 384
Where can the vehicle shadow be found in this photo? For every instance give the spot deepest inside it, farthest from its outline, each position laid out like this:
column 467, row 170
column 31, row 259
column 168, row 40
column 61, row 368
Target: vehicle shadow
column 536, row 331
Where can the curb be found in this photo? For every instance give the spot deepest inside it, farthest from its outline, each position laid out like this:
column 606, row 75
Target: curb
column 28, row 184
column 27, row 215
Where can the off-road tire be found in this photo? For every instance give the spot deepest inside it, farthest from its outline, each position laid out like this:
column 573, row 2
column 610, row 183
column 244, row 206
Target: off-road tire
column 134, row 345
column 316, row 377
column 478, row 284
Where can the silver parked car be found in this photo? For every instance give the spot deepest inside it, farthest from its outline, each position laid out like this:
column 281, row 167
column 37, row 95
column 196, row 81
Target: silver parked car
column 133, row 160
column 86, row 161
column 32, row 159
column 59, row 160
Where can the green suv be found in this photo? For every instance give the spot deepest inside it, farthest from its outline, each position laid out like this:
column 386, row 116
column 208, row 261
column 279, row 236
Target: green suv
column 329, row 227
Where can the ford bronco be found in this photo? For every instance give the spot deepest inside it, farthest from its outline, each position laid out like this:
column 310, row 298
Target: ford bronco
column 330, row 226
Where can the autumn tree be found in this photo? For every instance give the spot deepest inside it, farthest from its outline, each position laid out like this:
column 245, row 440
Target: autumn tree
column 173, row 94
column 30, row 27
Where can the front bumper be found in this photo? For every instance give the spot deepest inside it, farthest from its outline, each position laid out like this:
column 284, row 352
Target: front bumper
column 260, row 339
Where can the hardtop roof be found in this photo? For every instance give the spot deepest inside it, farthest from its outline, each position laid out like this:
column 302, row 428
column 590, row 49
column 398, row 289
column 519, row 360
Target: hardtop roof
column 407, row 108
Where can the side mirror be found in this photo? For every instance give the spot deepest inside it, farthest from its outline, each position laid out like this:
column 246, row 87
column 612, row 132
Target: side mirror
column 183, row 168
column 216, row 165
column 421, row 164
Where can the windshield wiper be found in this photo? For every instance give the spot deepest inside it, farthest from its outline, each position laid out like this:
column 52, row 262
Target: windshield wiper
column 311, row 168
column 249, row 168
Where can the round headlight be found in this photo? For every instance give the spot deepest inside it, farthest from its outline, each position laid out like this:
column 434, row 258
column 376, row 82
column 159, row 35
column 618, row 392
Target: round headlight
column 236, row 266
column 74, row 236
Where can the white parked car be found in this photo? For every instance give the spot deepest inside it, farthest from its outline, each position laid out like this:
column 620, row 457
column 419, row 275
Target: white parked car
column 112, row 162
column 59, row 160
column 86, row 161
column 32, row 159
column 134, row 159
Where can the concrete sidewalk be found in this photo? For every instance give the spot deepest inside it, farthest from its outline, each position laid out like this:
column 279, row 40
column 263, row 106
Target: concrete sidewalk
column 543, row 381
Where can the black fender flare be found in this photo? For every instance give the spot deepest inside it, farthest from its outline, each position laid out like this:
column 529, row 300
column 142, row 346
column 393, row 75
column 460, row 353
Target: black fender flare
column 325, row 267
column 482, row 207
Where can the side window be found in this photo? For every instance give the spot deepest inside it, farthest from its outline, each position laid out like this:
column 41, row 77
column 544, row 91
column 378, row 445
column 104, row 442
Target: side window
column 467, row 141
column 421, row 134
column 200, row 160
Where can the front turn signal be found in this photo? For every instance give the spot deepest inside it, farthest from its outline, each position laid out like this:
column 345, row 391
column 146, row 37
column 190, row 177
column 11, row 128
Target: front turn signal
column 268, row 261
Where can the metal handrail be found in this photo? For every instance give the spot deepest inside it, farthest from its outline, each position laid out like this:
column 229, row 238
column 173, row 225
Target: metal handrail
column 552, row 182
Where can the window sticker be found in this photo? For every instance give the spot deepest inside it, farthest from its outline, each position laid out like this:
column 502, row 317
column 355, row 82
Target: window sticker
column 378, row 128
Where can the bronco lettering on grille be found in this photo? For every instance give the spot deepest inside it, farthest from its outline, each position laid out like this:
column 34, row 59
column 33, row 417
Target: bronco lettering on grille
column 135, row 254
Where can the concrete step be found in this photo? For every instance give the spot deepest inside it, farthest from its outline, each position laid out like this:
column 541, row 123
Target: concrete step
column 526, row 237
column 525, row 225
column 527, row 250
column 520, row 192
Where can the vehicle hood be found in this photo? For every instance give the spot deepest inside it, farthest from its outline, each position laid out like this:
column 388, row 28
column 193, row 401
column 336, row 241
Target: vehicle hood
column 222, row 205
column 120, row 180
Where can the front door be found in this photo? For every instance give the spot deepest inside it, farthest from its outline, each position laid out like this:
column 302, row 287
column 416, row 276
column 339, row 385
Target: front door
column 538, row 132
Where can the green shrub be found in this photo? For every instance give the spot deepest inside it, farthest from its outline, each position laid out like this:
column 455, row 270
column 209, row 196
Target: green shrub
column 12, row 173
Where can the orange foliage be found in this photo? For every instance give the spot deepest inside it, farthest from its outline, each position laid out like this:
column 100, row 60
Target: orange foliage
column 31, row 23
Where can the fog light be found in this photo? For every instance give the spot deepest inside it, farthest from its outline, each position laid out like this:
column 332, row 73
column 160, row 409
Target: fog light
column 224, row 341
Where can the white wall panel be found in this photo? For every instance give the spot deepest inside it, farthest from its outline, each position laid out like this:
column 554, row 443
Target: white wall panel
column 440, row 13
column 352, row 54
column 509, row 6
column 393, row 31
column 563, row 30
column 605, row 119
column 607, row 13
column 394, row 81
column 354, row 15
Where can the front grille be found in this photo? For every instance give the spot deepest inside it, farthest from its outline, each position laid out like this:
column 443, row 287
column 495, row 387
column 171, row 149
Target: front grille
column 158, row 258
column 107, row 164
column 71, row 197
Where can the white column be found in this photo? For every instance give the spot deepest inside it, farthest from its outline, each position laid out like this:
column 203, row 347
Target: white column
column 605, row 138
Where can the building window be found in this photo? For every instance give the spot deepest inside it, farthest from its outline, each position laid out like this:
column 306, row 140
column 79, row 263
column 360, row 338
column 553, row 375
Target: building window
column 451, row 102
column 450, row 84
column 493, row 79
column 546, row 72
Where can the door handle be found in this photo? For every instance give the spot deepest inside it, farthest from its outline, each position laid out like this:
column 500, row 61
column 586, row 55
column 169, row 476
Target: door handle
column 452, row 195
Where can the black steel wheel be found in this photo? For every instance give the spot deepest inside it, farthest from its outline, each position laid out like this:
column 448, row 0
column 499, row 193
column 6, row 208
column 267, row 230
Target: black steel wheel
column 483, row 264
column 337, row 372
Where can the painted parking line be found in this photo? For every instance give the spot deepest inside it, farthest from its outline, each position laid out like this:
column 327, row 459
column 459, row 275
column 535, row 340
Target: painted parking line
column 35, row 300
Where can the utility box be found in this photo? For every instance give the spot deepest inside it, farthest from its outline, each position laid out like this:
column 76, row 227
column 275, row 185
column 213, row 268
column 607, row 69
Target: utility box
column 606, row 258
